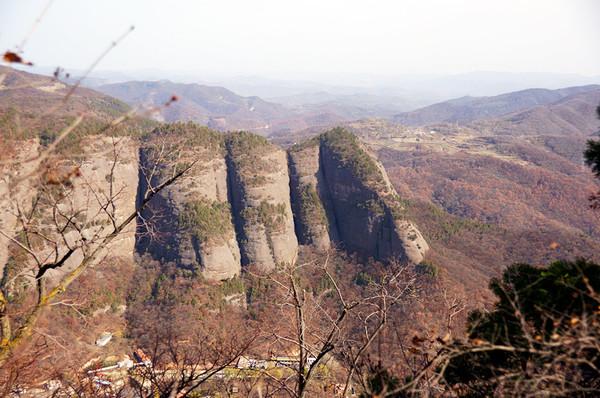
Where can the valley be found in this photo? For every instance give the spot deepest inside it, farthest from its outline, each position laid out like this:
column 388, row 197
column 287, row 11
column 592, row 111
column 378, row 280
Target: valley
column 315, row 199
column 452, row 200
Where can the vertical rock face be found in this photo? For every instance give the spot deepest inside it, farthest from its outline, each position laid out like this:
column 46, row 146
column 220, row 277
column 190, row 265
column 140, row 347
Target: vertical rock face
column 310, row 197
column 109, row 166
column 231, row 209
column 339, row 187
column 206, row 222
column 13, row 194
column 245, row 201
column 260, row 198
column 106, row 168
column 194, row 214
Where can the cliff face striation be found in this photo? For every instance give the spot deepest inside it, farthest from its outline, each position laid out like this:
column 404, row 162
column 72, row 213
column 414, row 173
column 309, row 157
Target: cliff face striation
column 192, row 218
column 232, row 209
column 245, row 202
column 343, row 195
column 260, row 197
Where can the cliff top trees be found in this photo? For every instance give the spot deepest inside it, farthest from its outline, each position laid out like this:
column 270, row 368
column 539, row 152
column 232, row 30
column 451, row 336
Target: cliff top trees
column 348, row 149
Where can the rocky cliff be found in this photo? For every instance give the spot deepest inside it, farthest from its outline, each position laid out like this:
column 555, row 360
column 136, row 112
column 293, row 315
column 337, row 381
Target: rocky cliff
column 260, row 198
column 313, row 210
column 191, row 220
column 244, row 202
column 68, row 203
column 343, row 195
column 14, row 194
column 231, row 210
column 247, row 202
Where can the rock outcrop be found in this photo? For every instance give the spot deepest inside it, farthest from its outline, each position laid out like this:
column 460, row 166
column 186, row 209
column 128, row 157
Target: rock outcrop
column 194, row 218
column 314, row 216
column 107, row 167
column 244, row 202
column 260, row 198
column 73, row 205
column 15, row 190
column 343, row 193
column 232, row 209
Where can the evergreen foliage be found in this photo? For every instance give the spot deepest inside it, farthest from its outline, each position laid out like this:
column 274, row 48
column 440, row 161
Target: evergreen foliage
column 592, row 156
column 311, row 205
column 346, row 147
column 207, row 220
column 272, row 216
column 592, row 153
column 381, row 383
column 544, row 302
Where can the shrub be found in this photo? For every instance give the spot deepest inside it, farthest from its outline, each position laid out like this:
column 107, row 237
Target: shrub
column 208, row 221
column 271, row 216
column 427, row 268
column 541, row 335
column 311, row 207
column 348, row 151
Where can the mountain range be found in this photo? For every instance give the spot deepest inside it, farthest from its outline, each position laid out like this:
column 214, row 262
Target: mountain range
column 462, row 188
column 467, row 109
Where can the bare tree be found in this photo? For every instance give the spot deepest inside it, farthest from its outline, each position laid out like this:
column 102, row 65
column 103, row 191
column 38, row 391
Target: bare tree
column 68, row 228
column 392, row 288
column 322, row 320
column 184, row 360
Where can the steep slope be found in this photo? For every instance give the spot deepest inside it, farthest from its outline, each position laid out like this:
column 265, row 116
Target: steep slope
column 195, row 227
column 467, row 109
column 260, row 198
column 240, row 207
column 349, row 198
column 313, row 210
column 484, row 201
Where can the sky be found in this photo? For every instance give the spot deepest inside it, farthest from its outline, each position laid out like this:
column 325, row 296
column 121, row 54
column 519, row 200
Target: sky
column 310, row 38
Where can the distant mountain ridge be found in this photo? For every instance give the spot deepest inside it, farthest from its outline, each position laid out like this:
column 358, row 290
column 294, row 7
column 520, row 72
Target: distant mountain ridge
column 31, row 103
column 467, row 109
column 573, row 115
column 224, row 110
column 213, row 106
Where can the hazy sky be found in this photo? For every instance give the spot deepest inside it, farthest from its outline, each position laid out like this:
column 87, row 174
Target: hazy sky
column 306, row 38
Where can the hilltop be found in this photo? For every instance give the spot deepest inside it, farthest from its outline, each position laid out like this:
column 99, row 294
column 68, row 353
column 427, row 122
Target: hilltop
column 467, row 109
column 216, row 107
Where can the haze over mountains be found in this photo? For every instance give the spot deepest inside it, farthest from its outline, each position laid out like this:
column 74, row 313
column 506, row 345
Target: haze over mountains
column 513, row 138
column 373, row 95
column 467, row 109
column 222, row 109
column 213, row 106
column 466, row 186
